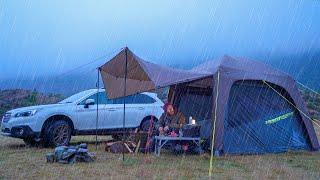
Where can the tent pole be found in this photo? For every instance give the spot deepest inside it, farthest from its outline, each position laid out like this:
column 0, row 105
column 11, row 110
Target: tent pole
column 97, row 115
column 214, row 126
column 124, row 99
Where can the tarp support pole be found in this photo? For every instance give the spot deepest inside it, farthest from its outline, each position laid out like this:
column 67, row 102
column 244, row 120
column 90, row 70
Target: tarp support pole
column 124, row 99
column 214, row 125
column 97, row 115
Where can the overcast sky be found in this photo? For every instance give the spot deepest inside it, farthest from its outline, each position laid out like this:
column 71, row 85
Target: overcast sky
column 39, row 38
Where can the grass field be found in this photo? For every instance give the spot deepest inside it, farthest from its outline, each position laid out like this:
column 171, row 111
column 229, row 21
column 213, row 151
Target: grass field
column 20, row 162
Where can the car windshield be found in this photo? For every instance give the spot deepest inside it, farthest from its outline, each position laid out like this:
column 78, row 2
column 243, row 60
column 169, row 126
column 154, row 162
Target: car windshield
column 74, row 97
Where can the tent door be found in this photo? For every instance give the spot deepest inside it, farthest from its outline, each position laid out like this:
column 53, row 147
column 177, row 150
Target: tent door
column 258, row 120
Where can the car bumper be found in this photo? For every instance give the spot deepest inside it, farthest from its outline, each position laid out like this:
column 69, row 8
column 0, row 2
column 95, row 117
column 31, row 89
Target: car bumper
column 19, row 132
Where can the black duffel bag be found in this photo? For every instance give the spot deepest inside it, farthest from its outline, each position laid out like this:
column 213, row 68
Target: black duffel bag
column 191, row 130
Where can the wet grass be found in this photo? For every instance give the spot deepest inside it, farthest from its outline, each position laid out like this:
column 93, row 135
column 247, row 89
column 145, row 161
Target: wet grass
column 20, row 162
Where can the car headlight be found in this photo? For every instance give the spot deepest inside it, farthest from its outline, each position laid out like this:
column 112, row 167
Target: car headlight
column 26, row 113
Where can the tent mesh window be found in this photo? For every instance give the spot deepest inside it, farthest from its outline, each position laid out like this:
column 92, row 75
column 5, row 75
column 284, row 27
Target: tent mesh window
column 258, row 120
column 196, row 102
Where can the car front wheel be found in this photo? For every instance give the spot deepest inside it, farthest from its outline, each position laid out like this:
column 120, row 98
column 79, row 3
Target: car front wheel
column 58, row 133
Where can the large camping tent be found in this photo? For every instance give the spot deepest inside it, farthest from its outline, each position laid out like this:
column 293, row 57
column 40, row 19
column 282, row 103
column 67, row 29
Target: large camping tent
column 252, row 108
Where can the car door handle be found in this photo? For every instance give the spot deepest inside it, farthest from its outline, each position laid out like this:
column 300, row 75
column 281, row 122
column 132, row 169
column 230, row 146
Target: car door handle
column 141, row 108
column 112, row 109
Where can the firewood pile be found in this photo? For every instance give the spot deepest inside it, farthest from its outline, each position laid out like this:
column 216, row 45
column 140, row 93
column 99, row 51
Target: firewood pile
column 121, row 147
column 136, row 142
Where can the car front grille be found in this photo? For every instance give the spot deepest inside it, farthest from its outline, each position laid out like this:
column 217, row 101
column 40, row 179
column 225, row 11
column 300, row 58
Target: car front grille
column 6, row 117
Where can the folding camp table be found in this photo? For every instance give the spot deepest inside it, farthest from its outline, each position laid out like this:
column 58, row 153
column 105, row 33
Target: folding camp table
column 160, row 141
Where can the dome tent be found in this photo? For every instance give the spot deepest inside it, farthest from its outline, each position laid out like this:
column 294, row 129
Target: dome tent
column 253, row 107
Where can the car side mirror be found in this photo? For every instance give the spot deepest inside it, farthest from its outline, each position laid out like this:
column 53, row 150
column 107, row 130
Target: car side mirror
column 88, row 102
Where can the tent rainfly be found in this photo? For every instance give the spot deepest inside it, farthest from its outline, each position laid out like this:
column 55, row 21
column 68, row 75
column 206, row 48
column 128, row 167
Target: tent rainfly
column 252, row 107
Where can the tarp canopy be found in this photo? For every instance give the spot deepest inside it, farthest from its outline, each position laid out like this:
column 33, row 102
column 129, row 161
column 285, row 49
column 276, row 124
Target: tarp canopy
column 141, row 75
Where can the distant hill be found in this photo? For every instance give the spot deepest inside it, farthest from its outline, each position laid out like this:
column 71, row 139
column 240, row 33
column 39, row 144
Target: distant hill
column 66, row 85
column 10, row 99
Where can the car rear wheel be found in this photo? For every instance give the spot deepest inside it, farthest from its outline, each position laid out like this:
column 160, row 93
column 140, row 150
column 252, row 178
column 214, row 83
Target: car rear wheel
column 58, row 133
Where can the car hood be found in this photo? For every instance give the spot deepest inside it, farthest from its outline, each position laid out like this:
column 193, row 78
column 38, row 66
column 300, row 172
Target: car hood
column 13, row 111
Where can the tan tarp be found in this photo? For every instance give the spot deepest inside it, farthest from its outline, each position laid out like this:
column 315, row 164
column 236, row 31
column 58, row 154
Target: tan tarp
column 141, row 75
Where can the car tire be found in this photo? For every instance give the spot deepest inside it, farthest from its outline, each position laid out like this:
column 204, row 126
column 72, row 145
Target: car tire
column 58, row 133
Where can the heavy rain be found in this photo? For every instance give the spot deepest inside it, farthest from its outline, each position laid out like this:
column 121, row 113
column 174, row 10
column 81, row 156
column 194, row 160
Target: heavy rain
column 160, row 89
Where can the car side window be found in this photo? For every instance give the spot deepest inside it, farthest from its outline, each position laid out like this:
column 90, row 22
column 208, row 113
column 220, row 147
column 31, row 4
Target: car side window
column 103, row 99
column 135, row 99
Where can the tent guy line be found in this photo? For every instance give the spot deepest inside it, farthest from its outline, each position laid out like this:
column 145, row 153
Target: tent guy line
column 100, row 58
column 308, row 88
column 312, row 120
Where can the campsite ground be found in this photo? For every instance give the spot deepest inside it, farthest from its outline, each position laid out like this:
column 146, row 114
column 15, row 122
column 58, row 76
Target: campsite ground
column 19, row 162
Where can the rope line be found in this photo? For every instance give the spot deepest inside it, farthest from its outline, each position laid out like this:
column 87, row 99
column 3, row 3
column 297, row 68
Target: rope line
column 214, row 126
column 291, row 104
column 308, row 88
column 93, row 61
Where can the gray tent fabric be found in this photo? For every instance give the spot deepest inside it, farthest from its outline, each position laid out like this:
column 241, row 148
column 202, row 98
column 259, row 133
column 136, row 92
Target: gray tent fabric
column 232, row 70
column 218, row 75
column 231, row 64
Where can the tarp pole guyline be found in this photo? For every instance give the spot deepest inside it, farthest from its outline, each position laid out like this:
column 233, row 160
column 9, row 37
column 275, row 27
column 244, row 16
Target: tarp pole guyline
column 308, row 88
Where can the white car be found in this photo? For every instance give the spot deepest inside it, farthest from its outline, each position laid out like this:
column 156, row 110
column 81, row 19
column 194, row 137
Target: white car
column 54, row 124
